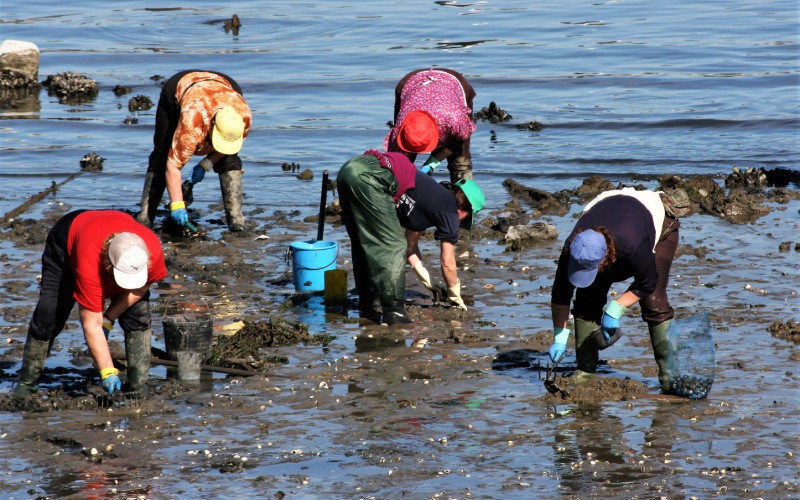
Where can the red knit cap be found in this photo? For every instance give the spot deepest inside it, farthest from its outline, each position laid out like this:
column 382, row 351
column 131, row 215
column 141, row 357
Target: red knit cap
column 418, row 133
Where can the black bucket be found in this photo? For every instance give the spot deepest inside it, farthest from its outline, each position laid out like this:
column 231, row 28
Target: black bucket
column 188, row 327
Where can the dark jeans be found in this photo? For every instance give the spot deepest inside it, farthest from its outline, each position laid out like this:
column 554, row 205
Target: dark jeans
column 589, row 301
column 58, row 285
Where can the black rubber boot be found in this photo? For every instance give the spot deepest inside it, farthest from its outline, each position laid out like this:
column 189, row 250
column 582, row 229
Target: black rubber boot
column 367, row 309
column 660, row 341
column 585, row 348
column 231, row 184
column 33, row 359
column 152, row 193
column 394, row 313
column 137, row 352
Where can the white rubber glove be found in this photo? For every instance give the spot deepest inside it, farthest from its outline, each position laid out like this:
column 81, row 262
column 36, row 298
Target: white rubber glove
column 454, row 294
column 424, row 275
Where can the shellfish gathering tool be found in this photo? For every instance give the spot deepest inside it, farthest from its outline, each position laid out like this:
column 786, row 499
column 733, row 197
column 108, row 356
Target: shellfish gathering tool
column 130, row 400
column 550, row 379
column 194, row 231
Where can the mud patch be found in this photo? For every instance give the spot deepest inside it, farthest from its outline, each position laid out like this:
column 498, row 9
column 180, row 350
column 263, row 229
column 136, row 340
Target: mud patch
column 786, row 331
column 588, row 388
column 244, row 347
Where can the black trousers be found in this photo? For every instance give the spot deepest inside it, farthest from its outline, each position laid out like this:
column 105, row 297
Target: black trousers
column 58, row 285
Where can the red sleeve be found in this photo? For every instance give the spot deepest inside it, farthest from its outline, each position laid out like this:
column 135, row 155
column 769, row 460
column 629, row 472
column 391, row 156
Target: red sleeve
column 89, row 230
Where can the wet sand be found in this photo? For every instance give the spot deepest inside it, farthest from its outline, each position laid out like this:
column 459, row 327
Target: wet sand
column 442, row 407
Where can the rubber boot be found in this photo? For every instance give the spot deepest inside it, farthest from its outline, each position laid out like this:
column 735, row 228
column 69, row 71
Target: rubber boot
column 151, row 198
column 33, row 359
column 660, row 341
column 394, row 313
column 137, row 352
column 367, row 310
column 231, row 184
column 585, row 348
column 460, row 168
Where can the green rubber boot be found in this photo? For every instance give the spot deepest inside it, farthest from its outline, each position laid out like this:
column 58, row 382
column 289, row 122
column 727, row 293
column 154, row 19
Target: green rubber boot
column 231, row 184
column 585, row 348
column 660, row 341
column 137, row 352
column 33, row 359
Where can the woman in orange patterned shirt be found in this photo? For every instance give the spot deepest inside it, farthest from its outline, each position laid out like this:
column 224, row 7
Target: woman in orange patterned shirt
column 199, row 113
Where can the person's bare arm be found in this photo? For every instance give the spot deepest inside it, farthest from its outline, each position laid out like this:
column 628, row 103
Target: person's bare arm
column 92, row 323
column 412, row 247
column 448, row 258
column 173, row 177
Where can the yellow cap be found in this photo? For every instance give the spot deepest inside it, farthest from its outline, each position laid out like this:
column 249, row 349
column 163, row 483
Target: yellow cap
column 228, row 133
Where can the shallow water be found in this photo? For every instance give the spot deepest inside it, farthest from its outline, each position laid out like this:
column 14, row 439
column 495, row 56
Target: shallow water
column 626, row 89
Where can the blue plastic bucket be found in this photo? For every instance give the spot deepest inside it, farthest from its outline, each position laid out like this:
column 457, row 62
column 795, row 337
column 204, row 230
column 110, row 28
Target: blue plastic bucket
column 310, row 260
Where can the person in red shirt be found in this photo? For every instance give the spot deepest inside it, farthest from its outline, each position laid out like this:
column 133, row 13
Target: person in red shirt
column 199, row 113
column 90, row 257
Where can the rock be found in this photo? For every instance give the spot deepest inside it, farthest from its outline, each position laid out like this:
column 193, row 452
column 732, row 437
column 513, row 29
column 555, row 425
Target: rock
column 751, row 179
column 506, row 220
column 21, row 58
column 493, row 113
column 541, row 200
column 593, row 186
column 71, row 88
column 139, row 103
column 519, row 237
column 233, row 24
column 92, row 162
column 120, row 90
column 533, row 126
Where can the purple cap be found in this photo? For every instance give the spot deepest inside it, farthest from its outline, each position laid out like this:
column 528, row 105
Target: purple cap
column 586, row 252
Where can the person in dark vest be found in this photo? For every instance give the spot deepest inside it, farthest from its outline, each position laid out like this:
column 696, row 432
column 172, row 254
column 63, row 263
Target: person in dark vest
column 621, row 234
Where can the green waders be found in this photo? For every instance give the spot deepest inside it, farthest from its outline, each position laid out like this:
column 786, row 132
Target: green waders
column 377, row 238
column 586, row 351
column 33, row 359
column 660, row 341
column 137, row 352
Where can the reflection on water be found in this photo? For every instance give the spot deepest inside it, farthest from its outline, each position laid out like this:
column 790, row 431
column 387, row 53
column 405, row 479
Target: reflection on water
column 20, row 101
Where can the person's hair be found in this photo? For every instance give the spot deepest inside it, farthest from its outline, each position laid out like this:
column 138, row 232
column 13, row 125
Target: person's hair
column 462, row 202
column 105, row 262
column 611, row 249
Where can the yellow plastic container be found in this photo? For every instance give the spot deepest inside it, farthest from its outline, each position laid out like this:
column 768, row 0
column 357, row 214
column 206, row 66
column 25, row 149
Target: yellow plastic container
column 336, row 284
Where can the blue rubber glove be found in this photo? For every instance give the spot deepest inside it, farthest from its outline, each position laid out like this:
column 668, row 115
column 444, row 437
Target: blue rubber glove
column 110, row 380
column 199, row 171
column 197, row 174
column 430, row 165
column 178, row 213
column 108, row 325
column 560, row 337
column 610, row 321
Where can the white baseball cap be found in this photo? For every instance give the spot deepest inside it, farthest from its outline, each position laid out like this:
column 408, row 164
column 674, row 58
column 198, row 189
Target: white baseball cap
column 129, row 256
